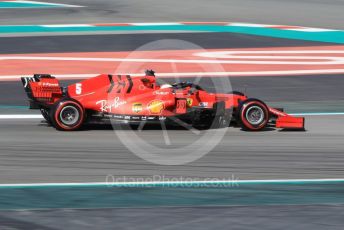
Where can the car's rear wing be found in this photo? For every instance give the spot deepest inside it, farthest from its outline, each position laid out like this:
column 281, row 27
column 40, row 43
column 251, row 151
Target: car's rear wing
column 42, row 90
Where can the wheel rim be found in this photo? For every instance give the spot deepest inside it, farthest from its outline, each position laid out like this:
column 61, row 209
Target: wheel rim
column 69, row 115
column 255, row 115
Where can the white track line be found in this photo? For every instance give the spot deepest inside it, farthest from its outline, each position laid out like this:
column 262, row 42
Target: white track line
column 60, row 76
column 155, row 24
column 234, row 24
column 21, row 116
column 317, row 114
column 176, row 183
column 248, row 24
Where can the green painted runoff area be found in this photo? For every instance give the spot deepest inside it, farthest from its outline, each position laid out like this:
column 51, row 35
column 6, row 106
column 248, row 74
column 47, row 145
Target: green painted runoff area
column 25, row 5
column 324, row 36
column 104, row 196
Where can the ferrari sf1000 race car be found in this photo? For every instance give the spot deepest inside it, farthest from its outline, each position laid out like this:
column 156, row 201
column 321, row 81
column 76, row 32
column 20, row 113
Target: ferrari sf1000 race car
column 122, row 98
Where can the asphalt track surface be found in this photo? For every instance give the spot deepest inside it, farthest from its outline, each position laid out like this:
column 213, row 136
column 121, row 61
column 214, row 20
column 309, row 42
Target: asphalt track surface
column 270, row 217
column 313, row 13
column 32, row 152
column 129, row 42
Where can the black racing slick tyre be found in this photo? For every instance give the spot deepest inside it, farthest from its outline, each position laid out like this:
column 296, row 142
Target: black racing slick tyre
column 67, row 115
column 253, row 115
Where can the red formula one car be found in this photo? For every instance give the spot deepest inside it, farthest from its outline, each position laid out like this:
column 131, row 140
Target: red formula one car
column 135, row 99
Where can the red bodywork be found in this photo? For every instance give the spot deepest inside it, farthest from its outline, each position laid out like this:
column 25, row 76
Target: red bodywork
column 140, row 98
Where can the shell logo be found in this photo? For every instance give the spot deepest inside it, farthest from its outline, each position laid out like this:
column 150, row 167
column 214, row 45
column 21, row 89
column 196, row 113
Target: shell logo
column 156, row 106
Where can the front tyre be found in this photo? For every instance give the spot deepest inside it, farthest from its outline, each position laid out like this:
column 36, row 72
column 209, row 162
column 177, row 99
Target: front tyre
column 67, row 115
column 253, row 115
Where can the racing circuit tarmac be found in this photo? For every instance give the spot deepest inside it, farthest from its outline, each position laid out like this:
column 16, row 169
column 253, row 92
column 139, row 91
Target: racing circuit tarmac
column 33, row 152
column 45, row 155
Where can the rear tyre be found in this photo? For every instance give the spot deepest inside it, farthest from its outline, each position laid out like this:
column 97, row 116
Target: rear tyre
column 253, row 115
column 67, row 115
